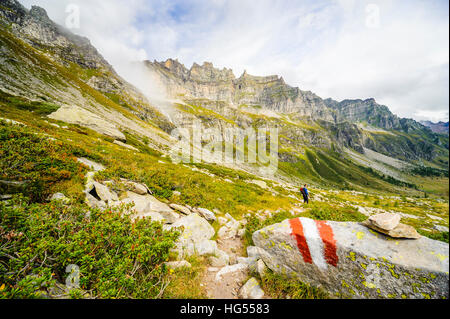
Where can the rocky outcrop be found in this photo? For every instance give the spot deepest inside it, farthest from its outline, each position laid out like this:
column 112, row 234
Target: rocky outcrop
column 351, row 261
column 269, row 92
column 76, row 115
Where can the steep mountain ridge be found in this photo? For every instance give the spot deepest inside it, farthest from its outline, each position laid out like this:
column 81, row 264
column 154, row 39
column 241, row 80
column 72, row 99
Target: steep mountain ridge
column 72, row 52
column 240, row 99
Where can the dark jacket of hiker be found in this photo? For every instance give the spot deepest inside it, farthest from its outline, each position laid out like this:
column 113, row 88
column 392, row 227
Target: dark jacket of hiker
column 305, row 194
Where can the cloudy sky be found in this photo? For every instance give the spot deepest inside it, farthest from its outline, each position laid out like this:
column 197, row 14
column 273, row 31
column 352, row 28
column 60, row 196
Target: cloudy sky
column 396, row 51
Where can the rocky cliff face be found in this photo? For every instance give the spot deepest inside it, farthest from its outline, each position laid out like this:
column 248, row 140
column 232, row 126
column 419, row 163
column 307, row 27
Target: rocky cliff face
column 441, row 127
column 268, row 92
column 344, row 124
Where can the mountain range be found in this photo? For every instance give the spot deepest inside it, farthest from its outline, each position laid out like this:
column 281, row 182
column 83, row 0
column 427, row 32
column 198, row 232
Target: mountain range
column 322, row 141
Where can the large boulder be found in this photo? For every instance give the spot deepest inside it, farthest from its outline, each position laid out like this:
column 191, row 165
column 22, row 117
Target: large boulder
column 149, row 206
column 351, row 261
column 103, row 193
column 76, row 115
column 386, row 221
column 195, row 236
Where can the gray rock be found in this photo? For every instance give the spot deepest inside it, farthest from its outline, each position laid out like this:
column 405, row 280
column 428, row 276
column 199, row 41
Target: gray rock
column 222, row 221
column 236, row 268
column 195, row 236
column 76, row 115
column 221, row 259
column 207, row 214
column 104, row 193
column 241, row 232
column 385, row 221
column 96, row 167
column 441, row 228
column 261, row 268
column 400, row 231
column 60, row 197
column 137, row 188
column 251, row 290
column 93, row 202
column 131, row 148
column 354, row 261
column 254, row 252
column 181, row 209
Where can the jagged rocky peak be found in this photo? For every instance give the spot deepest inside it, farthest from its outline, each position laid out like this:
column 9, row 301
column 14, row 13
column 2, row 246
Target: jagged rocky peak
column 40, row 14
column 245, row 77
column 36, row 28
column 208, row 73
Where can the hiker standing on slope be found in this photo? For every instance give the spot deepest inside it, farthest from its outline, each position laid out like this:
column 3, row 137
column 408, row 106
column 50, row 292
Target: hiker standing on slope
column 305, row 193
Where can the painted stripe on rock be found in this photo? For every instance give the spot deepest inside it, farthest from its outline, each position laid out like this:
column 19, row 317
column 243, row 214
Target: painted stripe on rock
column 315, row 242
column 327, row 235
column 297, row 232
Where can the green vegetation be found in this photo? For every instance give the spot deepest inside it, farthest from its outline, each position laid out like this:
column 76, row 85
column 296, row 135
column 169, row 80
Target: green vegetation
column 441, row 236
column 325, row 211
column 39, row 108
column 280, row 286
column 36, row 163
column 429, row 171
column 184, row 282
column 117, row 258
column 387, row 178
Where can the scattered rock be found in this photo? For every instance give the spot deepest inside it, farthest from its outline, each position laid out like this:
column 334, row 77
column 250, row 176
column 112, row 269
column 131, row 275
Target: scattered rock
column 59, row 197
column 261, row 268
column 137, row 188
column 207, row 214
column 241, row 232
column 76, row 115
column 386, row 221
column 222, row 221
column 231, row 269
column 441, row 228
column 96, row 167
column 261, row 184
column 181, row 209
column 435, row 217
column 251, row 290
column 401, row 231
column 103, row 193
column 132, row 148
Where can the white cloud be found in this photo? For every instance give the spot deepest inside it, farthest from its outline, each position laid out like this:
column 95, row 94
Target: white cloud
column 322, row 46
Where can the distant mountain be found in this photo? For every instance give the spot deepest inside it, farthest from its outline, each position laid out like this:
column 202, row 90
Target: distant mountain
column 440, row 127
column 349, row 123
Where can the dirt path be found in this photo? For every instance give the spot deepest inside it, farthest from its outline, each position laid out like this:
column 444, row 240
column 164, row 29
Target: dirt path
column 226, row 286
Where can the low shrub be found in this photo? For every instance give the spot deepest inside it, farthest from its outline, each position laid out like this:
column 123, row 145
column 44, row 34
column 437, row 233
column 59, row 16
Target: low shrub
column 117, row 258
